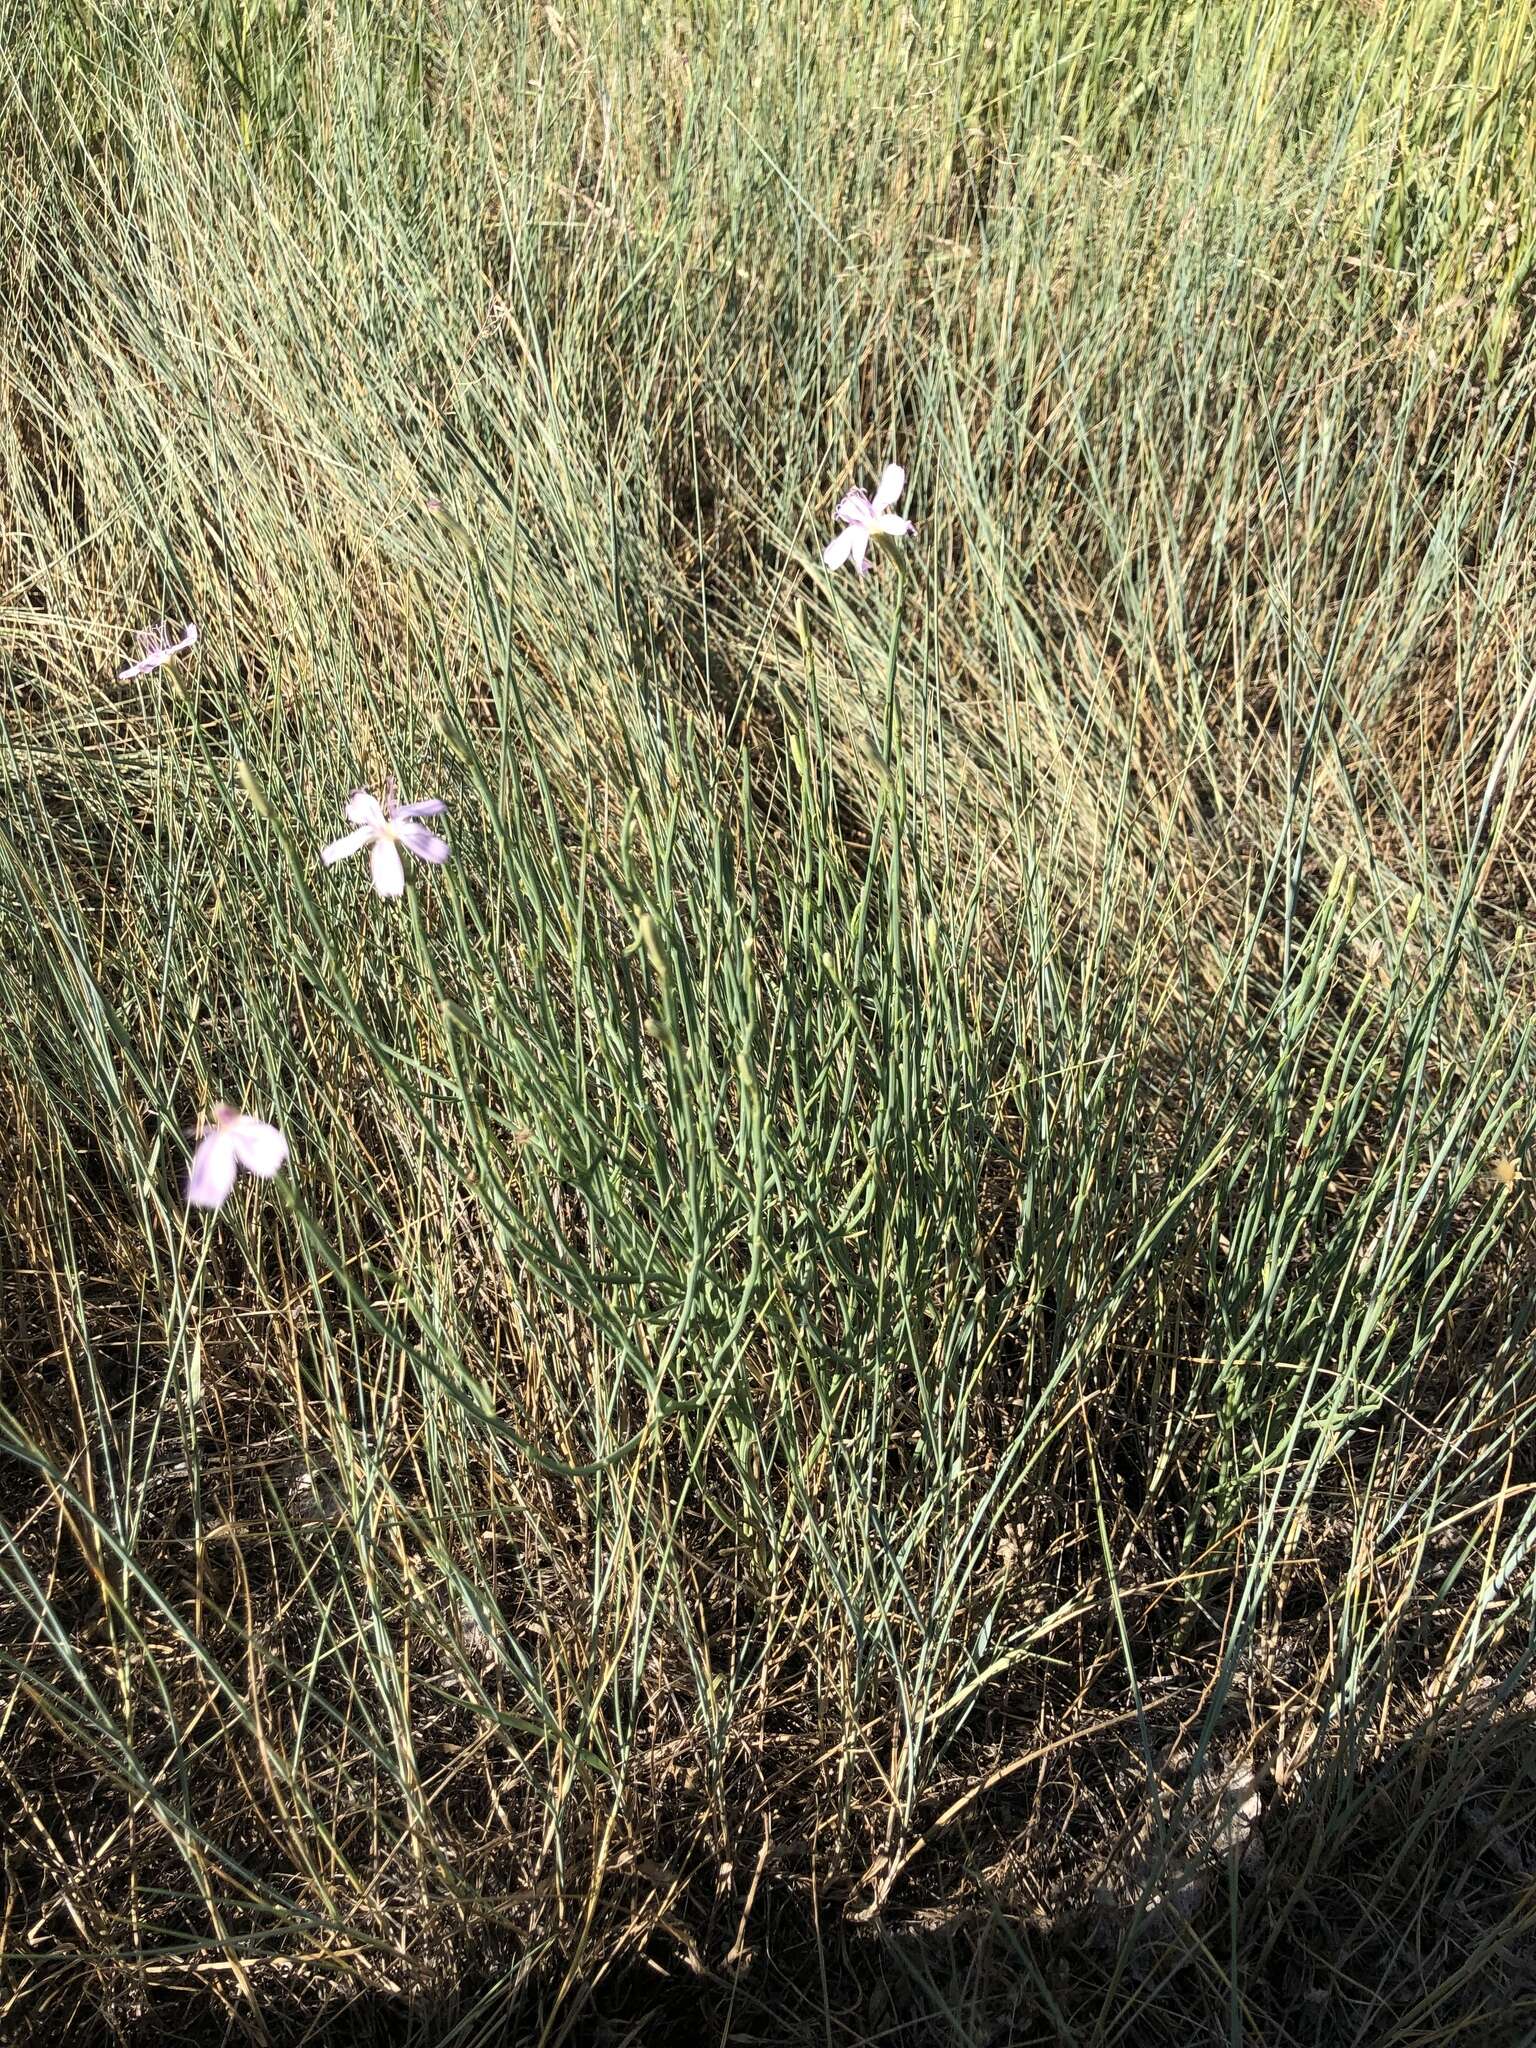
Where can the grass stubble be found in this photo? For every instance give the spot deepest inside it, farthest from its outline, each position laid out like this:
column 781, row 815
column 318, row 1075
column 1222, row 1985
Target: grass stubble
column 888, row 1395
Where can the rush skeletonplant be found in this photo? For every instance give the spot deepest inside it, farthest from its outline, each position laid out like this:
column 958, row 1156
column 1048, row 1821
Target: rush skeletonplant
column 866, row 1372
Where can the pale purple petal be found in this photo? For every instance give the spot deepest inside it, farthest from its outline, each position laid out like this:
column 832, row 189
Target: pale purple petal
column 135, row 669
column 388, row 874
column 836, row 552
column 429, row 807
column 893, row 524
column 156, row 647
column 861, row 560
column 424, row 844
column 855, row 509
column 341, row 849
column 893, row 481
column 213, row 1170
column 364, row 808
column 260, row 1148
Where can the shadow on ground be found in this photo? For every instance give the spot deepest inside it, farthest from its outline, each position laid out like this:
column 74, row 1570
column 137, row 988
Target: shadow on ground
column 1394, row 1904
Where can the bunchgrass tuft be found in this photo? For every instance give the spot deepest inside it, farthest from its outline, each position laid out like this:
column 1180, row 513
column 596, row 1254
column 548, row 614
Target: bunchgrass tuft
column 887, row 1393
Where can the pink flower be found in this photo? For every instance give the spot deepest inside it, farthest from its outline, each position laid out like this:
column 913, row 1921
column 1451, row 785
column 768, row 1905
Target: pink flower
column 228, row 1143
column 386, row 827
column 156, row 647
column 866, row 519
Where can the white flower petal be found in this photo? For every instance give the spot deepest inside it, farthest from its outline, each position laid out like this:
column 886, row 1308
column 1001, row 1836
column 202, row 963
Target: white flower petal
column 341, row 849
column 836, row 552
column 213, row 1170
column 364, row 808
column 893, row 481
column 388, row 874
column 260, row 1148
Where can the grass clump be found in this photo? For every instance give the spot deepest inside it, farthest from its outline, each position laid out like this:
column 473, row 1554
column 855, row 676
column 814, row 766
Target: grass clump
column 888, row 1393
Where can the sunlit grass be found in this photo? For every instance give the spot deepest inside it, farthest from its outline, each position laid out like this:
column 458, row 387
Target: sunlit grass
column 911, row 1272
